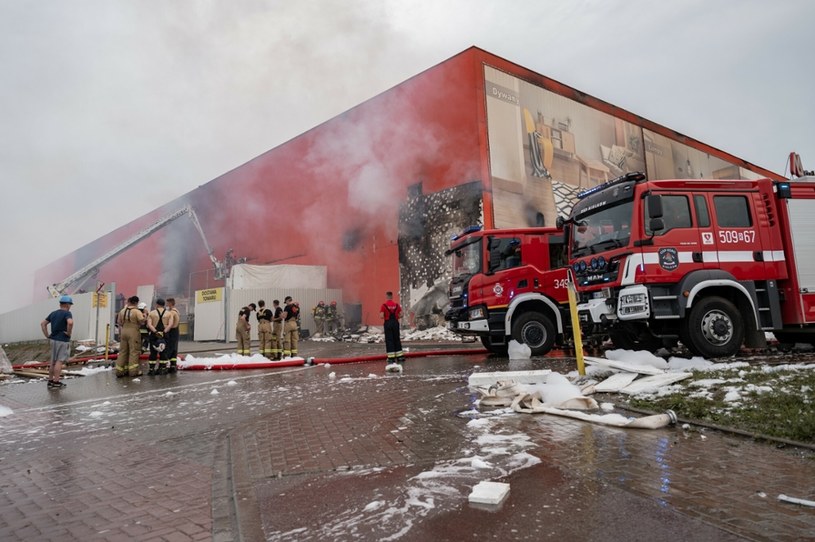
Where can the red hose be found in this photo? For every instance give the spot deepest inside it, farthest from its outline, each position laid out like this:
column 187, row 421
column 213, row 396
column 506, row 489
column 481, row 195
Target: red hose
column 332, row 361
column 282, row 363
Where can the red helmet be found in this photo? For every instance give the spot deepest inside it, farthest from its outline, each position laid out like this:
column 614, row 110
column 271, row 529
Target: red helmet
column 333, row 302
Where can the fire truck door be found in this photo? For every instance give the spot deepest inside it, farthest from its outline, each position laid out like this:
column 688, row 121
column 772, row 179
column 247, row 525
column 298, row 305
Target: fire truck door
column 738, row 245
column 676, row 248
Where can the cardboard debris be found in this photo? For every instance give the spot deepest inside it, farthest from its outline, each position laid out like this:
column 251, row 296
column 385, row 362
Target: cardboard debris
column 615, row 382
column 623, row 366
column 520, row 377
column 489, row 493
column 653, row 383
column 5, row 364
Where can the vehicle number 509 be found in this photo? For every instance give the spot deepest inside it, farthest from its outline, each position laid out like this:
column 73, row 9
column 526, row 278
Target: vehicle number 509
column 737, row 236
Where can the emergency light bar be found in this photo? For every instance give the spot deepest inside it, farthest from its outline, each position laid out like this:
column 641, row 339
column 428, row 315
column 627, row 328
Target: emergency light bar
column 633, row 176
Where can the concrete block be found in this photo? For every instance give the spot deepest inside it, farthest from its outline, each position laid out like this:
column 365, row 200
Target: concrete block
column 489, row 493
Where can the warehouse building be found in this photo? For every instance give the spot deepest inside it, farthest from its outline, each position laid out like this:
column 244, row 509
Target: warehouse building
column 375, row 193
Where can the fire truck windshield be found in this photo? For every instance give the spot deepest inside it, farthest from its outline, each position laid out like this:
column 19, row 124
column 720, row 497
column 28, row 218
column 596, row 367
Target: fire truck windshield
column 467, row 258
column 602, row 229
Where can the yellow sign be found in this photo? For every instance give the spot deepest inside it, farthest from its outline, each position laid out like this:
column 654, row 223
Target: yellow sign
column 102, row 300
column 206, row 296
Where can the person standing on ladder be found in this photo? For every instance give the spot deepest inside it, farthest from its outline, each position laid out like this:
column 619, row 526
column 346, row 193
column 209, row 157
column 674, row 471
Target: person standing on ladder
column 391, row 312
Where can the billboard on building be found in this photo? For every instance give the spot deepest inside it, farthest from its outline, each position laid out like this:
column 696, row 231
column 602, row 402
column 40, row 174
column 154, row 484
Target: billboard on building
column 545, row 148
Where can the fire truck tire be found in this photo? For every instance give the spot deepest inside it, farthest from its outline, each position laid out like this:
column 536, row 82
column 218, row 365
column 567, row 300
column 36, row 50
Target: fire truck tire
column 536, row 331
column 715, row 328
column 497, row 349
column 630, row 339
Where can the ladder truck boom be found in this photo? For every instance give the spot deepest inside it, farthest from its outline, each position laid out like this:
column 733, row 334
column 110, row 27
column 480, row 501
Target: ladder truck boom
column 81, row 275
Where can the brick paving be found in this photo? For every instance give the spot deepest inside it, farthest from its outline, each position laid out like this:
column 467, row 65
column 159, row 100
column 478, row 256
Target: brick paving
column 226, row 456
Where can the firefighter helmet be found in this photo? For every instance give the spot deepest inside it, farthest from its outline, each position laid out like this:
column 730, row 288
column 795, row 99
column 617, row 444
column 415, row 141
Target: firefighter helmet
column 66, row 300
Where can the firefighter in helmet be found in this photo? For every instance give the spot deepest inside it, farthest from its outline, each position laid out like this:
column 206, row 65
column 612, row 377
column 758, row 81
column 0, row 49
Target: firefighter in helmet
column 332, row 318
column 319, row 313
column 130, row 319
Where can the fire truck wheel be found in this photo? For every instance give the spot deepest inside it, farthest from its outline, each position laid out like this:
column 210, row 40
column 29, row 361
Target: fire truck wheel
column 536, row 331
column 634, row 339
column 715, row 328
column 497, row 349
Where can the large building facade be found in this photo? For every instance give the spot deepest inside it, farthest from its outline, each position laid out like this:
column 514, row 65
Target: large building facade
column 375, row 193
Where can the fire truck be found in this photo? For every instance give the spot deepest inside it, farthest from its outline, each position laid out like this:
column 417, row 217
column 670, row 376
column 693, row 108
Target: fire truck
column 711, row 263
column 509, row 284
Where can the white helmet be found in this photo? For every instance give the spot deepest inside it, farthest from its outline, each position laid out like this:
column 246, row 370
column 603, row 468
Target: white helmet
column 142, row 306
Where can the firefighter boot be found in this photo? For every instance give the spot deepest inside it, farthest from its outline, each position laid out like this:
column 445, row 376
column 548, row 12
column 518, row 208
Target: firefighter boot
column 152, row 369
column 162, row 369
column 173, row 366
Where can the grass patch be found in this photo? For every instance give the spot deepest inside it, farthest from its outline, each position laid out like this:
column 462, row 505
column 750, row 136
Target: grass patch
column 775, row 403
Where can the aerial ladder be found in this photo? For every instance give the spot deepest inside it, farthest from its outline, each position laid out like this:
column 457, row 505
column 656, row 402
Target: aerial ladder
column 77, row 279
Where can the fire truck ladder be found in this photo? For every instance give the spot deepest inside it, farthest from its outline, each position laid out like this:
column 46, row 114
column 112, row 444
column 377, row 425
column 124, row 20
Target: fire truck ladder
column 78, row 278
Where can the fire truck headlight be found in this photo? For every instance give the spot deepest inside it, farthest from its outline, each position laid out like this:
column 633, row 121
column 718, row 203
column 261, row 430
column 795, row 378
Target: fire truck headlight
column 633, row 303
column 477, row 313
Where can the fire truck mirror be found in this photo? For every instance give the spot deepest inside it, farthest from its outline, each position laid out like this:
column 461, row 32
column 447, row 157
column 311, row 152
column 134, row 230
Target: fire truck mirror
column 656, row 224
column 654, row 204
column 560, row 222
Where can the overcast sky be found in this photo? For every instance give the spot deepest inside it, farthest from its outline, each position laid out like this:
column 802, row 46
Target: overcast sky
column 110, row 109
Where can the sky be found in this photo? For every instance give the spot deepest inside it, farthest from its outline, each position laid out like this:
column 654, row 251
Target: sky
column 111, row 109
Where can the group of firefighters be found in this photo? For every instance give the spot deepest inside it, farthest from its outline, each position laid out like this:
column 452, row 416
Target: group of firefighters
column 159, row 327
column 326, row 318
column 278, row 329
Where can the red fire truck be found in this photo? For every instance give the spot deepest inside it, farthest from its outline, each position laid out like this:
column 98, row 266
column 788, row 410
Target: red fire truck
column 509, row 284
column 712, row 263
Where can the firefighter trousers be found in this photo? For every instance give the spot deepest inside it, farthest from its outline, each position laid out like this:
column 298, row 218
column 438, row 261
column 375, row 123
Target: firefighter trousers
column 127, row 362
column 277, row 340
column 393, row 342
column 291, row 336
column 244, row 345
column 265, row 337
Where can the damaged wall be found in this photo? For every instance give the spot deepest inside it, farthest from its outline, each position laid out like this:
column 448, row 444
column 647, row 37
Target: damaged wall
column 426, row 224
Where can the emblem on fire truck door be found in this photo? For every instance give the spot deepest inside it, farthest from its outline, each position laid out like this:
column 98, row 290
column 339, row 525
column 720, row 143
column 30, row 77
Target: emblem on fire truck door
column 668, row 258
column 707, row 238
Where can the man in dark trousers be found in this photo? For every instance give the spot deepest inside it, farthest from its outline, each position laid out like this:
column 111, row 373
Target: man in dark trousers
column 390, row 312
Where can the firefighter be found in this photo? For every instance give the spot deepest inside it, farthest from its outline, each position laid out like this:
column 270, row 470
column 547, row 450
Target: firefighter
column 290, row 334
column 242, row 329
column 319, row 313
column 172, row 335
column 159, row 323
column 130, row 320
column 265, row 329
column 277, row 330
column 143, row 331
column 391, row 312
column 332, row 318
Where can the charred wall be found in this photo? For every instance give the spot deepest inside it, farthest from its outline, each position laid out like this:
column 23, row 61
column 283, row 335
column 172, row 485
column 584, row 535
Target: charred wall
column 426, row 224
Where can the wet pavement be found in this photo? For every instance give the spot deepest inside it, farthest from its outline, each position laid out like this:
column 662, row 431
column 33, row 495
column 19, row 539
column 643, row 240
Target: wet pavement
column 296, row 454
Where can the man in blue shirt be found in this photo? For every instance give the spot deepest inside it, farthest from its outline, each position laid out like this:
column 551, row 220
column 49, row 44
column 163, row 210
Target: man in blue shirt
column 62, row 325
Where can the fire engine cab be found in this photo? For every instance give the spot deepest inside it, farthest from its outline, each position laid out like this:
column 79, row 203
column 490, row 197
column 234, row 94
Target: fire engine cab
column 509, row 284
column 711, row 263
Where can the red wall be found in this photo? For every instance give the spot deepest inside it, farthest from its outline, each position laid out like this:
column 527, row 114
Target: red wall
column 328, row 197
